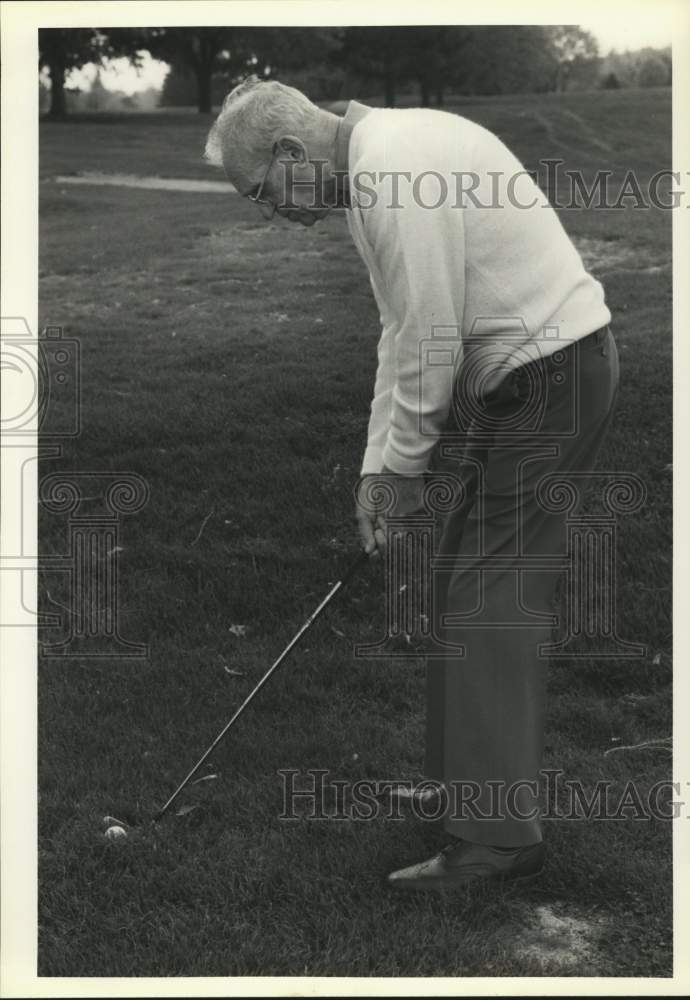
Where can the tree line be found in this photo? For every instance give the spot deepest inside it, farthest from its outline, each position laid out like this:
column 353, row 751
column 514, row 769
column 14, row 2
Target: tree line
column 330, row 63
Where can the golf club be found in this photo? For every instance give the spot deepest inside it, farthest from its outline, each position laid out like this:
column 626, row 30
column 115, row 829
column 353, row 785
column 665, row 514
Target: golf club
column 354, row 566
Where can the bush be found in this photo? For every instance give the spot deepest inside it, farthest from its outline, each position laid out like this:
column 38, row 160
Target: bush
column 610, row 82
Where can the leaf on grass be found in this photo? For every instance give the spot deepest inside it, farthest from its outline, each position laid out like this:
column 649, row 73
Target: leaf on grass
column 206, row 777
column 113, row 821
column 404, row 793
column 239, row 630
column 657, row 660
column 399, row 791
column 233, row 673
column 337, row 632
column 185, row 810
column 203, row 525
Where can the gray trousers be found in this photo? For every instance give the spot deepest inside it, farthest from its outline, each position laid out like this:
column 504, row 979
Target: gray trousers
column 486, row 708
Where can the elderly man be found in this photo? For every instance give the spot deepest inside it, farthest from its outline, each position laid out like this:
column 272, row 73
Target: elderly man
column 464, row 252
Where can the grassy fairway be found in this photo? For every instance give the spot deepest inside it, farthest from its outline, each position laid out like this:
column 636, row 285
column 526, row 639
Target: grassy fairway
column 230, row 362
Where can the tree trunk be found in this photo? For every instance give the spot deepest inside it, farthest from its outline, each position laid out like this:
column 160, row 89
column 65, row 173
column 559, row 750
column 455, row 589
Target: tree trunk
column 388, row 77
column 424, row 92
column 203, row 78
column 562, row 78
column 390, row 90
column 58, row 108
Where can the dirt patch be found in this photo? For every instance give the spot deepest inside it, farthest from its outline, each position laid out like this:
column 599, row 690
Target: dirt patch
column 605, row 256
column 555, row 935
column 151, row 183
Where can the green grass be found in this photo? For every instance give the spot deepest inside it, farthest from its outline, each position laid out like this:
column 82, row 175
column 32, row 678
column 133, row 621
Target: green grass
column 230, row 362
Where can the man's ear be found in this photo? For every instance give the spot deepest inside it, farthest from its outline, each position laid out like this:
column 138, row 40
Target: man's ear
column 294, row 148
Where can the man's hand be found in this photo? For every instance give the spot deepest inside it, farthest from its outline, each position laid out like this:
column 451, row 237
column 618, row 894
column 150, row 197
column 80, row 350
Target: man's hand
column 371, row 523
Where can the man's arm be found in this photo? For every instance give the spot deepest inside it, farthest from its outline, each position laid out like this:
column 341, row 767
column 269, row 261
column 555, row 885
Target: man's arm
column 379, row 418
column 419, row 254
column 419, row 257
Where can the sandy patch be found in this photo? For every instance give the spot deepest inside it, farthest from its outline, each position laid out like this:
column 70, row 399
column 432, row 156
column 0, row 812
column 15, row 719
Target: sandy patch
column 151, row 183
column 553, row 935
column 605, row 256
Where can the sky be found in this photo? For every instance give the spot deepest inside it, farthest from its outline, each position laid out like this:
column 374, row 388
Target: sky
column 634, row 33
column 620, row 34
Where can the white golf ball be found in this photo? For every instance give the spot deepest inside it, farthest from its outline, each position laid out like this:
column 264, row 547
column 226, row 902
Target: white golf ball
column 115, row 833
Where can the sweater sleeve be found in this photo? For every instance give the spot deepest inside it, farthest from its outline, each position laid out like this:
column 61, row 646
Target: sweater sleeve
column 419, row 257
column 379, row 419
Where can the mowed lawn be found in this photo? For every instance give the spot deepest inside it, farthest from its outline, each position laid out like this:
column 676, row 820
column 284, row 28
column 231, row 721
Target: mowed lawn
column 230, row 362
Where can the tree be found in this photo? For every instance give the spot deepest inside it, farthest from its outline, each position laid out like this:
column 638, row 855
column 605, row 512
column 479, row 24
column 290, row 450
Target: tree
column 379, row 54
column 43, row 96
column 475, row 60
column 201, row 52
column 299, row 57
column 98, row 97
column 277, row 51
column 64, row 49
column 179, row 89
column 610, row 82
column 433, row 56
column 645, row 67
column 572, row 47
column 653, row 72
column 505, row 59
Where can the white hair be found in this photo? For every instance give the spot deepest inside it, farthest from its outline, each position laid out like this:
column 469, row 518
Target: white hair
column 252, row 117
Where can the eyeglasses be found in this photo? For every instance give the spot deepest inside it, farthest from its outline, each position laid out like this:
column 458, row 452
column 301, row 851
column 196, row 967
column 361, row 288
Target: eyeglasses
column 256, row 196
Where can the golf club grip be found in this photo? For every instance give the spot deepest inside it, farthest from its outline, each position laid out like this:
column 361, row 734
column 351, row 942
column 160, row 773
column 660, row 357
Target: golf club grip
column 349, row 573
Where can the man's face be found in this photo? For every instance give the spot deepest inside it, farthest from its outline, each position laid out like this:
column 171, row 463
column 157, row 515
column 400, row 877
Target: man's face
column 289, row 186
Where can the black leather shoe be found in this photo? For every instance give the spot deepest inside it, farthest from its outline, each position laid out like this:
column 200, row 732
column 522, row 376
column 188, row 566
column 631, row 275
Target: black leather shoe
column 463, row 863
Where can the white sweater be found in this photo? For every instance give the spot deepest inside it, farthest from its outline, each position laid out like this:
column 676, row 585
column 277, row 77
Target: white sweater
column 478, row 265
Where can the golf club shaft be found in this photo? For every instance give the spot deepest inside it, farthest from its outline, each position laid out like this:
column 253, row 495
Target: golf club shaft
column 355, row 565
